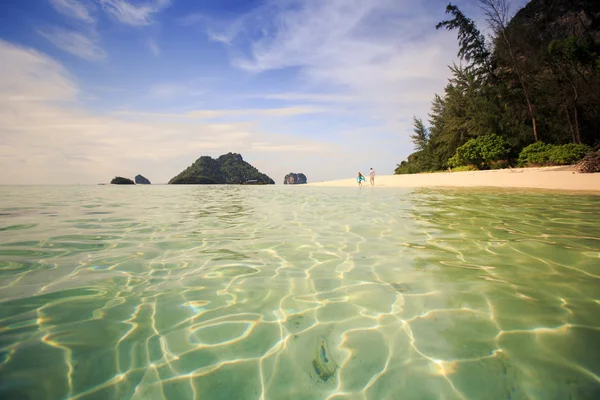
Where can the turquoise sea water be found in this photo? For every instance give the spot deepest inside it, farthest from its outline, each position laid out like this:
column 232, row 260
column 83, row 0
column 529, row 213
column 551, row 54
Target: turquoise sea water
column 160, row 292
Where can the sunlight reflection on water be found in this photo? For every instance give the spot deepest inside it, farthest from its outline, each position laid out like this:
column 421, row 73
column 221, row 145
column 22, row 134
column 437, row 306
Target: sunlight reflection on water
column 298, row 292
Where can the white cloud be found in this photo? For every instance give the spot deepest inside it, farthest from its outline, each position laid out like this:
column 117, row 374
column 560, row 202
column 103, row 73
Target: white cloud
column 268, row 112
column 193, row 19
column 76, row 43
column 217, row 31
column 385, row 54
column 278, row 148
column 74, row 8
column 301, row 33
column 247, row 112
column 45, row 138
column 153, row 47
column 309, row 97
column 84, row 42
column 27, row 75
column 168, row 91
column 137, row 15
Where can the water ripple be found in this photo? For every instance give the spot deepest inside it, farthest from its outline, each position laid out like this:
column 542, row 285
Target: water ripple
column 290, row 292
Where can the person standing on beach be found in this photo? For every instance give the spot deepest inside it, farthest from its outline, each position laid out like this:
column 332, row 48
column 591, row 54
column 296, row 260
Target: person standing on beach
column 360, row 179
column 372, row 176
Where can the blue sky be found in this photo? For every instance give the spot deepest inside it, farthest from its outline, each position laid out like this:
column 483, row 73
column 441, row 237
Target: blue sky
column 90, row 89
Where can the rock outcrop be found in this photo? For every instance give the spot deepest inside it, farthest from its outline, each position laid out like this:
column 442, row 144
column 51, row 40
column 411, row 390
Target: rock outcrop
column 140, row 180
column 119, row 180
column 294, row 179
column 228, row 169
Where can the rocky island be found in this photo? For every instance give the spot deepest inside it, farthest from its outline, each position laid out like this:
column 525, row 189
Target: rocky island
column 228, row 169
column 141, row 180
column 294, row 179
column 119, row 180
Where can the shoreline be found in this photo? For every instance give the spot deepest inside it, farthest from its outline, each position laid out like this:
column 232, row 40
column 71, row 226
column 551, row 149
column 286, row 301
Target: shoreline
column 556, row 178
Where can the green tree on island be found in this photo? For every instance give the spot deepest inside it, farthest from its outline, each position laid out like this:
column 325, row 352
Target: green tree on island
column 229, row 169
column 119, row 180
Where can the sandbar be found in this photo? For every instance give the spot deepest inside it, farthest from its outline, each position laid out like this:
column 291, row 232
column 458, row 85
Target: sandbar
column 556, row 178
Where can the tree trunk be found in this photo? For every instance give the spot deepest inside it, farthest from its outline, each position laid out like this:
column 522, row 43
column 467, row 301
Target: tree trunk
column 497, row 13
column 570, row 124
column 516, row 66
column 577, row 124
column 533, row 121
column 575, row 98
column 529, row 106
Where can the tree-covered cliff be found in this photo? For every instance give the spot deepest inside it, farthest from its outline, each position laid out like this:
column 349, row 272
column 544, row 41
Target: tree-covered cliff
column 229, row 168
column 119, row 180
column 141, row 180
column 294, row 179
column 536, row 79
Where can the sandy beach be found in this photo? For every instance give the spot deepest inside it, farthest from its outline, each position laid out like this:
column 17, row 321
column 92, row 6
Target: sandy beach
column 557, row 178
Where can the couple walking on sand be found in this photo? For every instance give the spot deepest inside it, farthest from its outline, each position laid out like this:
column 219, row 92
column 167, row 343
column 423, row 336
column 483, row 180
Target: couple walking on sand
column 362, row 179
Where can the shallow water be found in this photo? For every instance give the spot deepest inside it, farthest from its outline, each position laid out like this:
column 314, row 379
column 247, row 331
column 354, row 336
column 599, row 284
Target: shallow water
column 282, row 292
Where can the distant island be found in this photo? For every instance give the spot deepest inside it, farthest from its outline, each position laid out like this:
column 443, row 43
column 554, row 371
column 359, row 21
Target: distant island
column 294, row 179
column 228, row 169
column 141, row 180
column 119, row 180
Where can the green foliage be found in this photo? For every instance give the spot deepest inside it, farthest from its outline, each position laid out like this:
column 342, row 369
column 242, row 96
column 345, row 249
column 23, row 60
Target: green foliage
column 119, row 180
column 421, row 137
column 544, row 57
column 421, row 161
column 406, row 168
column 582, row 50
column 534, row 154
column 229, row 168
column 568, row 154
column 464, row 168
column 480, row 152
column 472, row 47
column 540, row 154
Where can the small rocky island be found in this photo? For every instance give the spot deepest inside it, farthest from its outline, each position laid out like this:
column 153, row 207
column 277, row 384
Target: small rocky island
column 141, row 180
column 294, row 179
column 228, row 169
column 119, row 180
